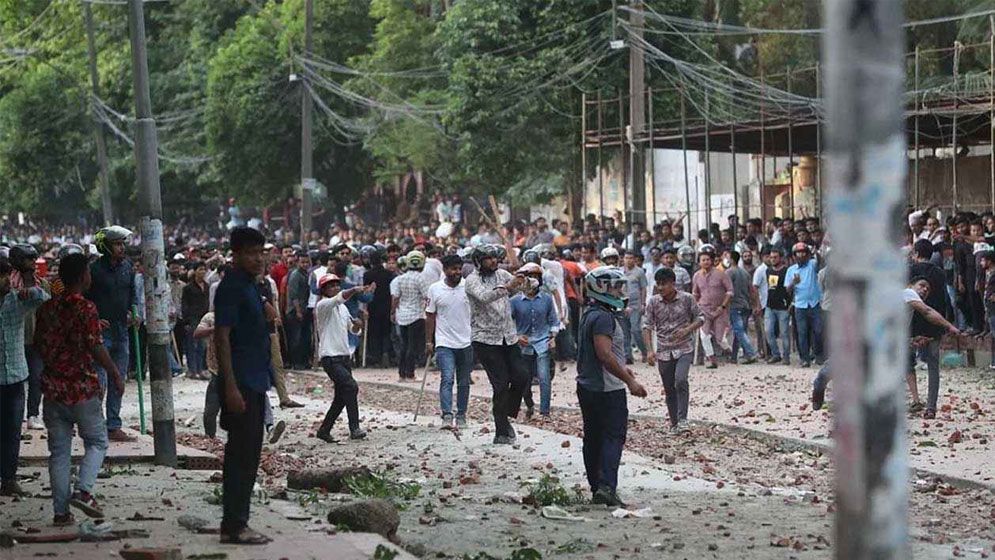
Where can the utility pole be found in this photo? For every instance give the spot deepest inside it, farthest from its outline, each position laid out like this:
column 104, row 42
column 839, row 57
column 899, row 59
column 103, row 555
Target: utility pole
column 153, row 249
column 637, row 113
column 307, row 149
column 98, row 127
column 864, row 85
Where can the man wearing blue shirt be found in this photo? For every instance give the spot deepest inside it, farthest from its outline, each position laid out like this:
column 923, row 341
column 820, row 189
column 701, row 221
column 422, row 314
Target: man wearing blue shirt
column 537, row 323
column 803, row 282
column 242, row 342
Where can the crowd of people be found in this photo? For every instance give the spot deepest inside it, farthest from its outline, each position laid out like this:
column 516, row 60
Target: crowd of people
column 248, row 304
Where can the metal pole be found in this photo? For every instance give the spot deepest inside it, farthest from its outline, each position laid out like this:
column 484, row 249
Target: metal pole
column 601, row 186
column 708, row 169
column 637, row 111
column 791, row 151
column 626, row 161
column 991, row 96
column 735, row 183
column 915, row 113
column 103, row 175
column 307, row 148
column 649, row 94
column 818, row 144
column 956, row 107
column 763, row 148
column 583, row 156
column 869, row 323
column 684, row 157
column 153, row 248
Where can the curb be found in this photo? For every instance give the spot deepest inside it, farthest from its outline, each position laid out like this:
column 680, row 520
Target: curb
column 785, row 442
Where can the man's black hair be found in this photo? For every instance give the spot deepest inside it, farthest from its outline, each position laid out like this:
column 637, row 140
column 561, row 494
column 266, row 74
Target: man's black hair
column 734, row 257
column 665, row 275
column 916, row 279
column 923, row 249
column 243, row 237
column 670, row 251
column 198, row 264
column 451, row 260
column 71, row 268
column 989, row 255
column 341, row 269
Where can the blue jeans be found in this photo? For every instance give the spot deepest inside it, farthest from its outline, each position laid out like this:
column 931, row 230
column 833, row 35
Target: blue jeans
column 455, row 364
column 59, row 420
column 116, row 342
column 738, row 319
column 809, row 322
column 11, row 415
column 776, row 324
column 930, row 355
column 635, row 333
column 539, row 369
column 606, row 418
column 35, row 366
column 196, row 354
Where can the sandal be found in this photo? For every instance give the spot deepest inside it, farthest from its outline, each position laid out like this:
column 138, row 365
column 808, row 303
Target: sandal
column 917, row 407
column 245, row 536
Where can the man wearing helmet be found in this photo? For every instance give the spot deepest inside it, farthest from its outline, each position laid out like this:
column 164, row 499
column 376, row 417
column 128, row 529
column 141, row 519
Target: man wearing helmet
column 495, row 337
column 602, row 380
column 408, row 311
column 113, row 291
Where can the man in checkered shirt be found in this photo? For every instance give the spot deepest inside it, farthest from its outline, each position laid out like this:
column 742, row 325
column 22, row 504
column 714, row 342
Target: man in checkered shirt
column 408, row 295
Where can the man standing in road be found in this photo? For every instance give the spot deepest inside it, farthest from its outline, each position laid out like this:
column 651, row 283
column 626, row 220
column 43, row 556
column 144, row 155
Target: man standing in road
column 380, row 350
column 298, row 331
column 929, row 351
column 712, row 290
column 495, row 337
column 602, row 380
column 803, row 281
column 740, row 309
column 113, row 291
column 636, row 292
column 672, row 317
column 408, row 295
column 770, row 281
column 448, row 334
column 242, row 341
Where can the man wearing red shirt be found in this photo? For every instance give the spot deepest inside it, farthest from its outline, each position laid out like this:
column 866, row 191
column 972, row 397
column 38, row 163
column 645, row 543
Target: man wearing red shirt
column 68, row 336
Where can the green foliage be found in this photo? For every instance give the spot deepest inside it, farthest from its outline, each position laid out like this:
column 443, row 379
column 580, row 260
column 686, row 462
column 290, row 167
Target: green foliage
column 384, row 553
column 383, row 486
column 549, row 491
column 520, row 554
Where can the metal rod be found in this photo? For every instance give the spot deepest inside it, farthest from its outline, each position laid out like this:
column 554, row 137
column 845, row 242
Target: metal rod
column 791, row 151
column 601, row 186
column 307, row 117
column 763, row 147
column 866, row 143
column 915, row 86
column 735, row 183
column 818, row 144
column 583, row 157
column 684, row 157
column 954, row 124
column 649, row 102
column 626, row 161
column 991, row 98
column 708, row 168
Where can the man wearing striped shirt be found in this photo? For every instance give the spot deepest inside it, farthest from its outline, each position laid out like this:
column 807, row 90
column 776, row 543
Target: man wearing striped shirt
column 408, row 295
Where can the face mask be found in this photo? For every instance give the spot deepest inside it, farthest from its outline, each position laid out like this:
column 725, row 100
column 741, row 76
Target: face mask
column 727, row 263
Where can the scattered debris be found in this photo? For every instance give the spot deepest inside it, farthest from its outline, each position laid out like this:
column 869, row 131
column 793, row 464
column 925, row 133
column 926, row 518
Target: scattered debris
column 622, row 513
column 369, row 516
column 559, row 514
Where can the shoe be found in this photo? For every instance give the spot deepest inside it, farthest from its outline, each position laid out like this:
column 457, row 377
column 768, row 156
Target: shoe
column 35, row 424
column 806, row 363
column 327, row 438
column 674, row 430
column 683, row 426
column 711, row 365
column 991, row 367
column 819, row 361
column 818, row 398
column 529, row 412
column 916, row 407
column 786, row 361
column 503, row 440
column 11, row 488
column 930, row 414
column 607, row 497
column 85, row 502
column 461, row 422
column 291, row 404
column 119, row 436
column 277, row 432
column 512, row 434
column 63, row 520
column 629, row 361
column 774, row 360
column 447, row 421
column 358, row 433
column 750, row 360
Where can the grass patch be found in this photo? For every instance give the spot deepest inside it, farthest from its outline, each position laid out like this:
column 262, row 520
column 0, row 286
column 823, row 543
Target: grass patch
column 383, row 486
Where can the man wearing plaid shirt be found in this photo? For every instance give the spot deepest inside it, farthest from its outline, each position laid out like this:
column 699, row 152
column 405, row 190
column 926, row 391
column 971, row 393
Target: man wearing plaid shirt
column 14, row 305
column 408, row 294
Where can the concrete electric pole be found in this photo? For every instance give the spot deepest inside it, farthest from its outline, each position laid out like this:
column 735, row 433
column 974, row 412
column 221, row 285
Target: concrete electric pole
column 98, row 127
column 307, row 148
column 153, row 249
column 637, row 116
column 869, row 342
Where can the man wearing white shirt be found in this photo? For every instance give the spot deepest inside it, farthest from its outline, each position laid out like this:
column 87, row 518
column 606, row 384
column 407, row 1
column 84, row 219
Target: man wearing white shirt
column 334, row 324
column 448, row 334
column 408, row 298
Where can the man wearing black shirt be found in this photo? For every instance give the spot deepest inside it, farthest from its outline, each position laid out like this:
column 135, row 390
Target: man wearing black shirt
column 939, row 301
column 380, row 327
